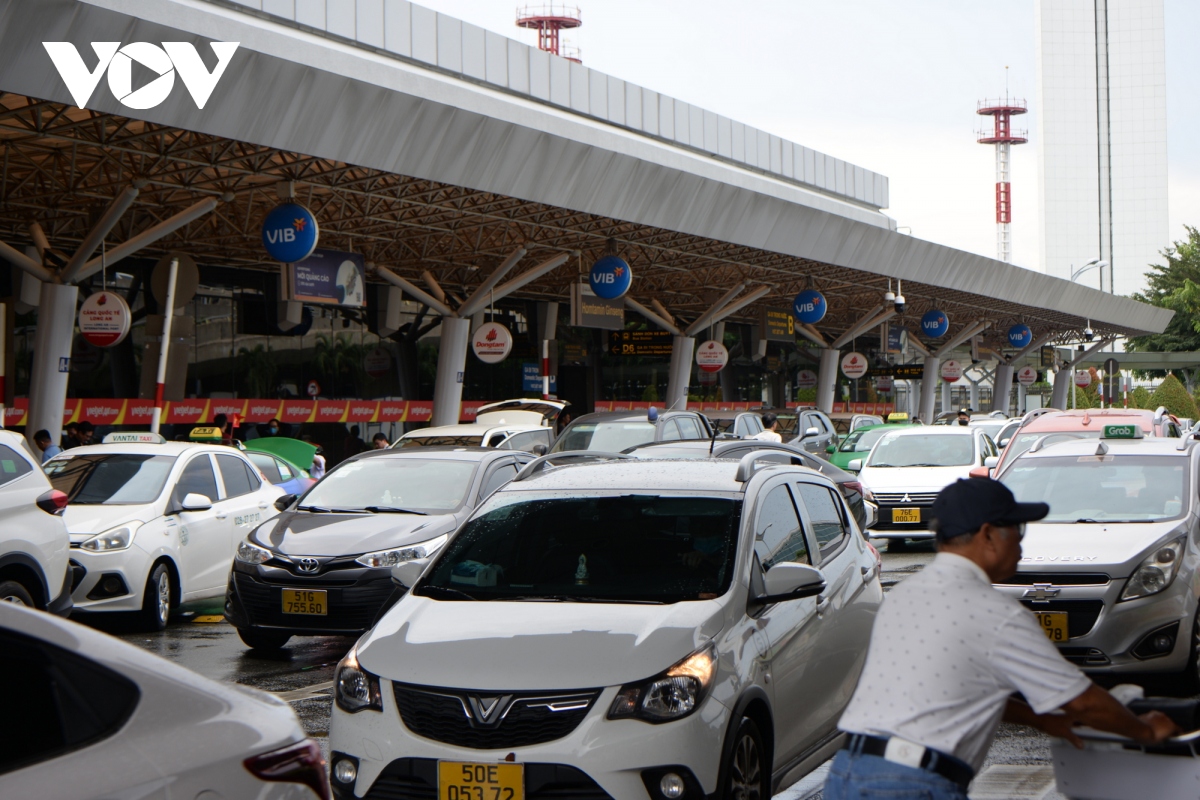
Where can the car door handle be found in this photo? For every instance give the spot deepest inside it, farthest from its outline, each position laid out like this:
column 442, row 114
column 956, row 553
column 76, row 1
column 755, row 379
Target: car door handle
column 822, row 604
column 221, row 516
column 262, row 505
column 868, row 573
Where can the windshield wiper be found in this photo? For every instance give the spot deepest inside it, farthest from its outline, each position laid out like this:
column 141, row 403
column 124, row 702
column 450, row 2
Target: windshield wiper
column 570, row 598
column 925, row 465
column 1088, row 520
column 444, row 593
column 393, row 510
column 315, row 509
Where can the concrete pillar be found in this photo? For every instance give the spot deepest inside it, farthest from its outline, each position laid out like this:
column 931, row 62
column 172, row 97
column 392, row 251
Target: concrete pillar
column 946, row 400
column 683, row 348
column 827, row 379
column 929, row 380
column 452, row 362
column 1062, row 385
column 974, row 402
column 51, row 359
column 1002, row 387
column 1021, row 399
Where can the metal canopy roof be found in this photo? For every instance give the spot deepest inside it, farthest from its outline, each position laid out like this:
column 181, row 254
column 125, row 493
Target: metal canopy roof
column 419, row 170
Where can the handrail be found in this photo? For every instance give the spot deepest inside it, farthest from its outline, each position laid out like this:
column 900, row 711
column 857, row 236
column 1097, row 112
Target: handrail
column 539, row 464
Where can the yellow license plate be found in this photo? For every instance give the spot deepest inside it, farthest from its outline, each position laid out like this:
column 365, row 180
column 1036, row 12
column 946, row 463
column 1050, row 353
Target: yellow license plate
column 306, row 601
column 906, row 515
column 462, row 781
column 1054, row 623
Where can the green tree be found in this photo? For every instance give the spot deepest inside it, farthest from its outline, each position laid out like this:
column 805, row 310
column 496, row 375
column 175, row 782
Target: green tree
column 258, row 368
column 1174, row 285
column 1139, row 397
column 1170, row 393
column 339, row 362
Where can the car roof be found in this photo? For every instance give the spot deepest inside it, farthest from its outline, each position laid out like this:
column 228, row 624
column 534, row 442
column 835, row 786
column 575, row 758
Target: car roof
column 1159, row 446
column 645, row 475
column 440, row 452
column 931, row 430
column 626, row 416
column 1084, row 419
column 466, row 429
column 137, row 448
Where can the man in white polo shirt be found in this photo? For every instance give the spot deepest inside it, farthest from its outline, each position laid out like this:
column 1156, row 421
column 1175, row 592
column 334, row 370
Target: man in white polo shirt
column 949, row 654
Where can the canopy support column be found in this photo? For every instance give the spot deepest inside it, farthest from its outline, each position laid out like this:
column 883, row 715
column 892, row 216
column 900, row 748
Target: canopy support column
column 827, row 379
column 683, row 348
column 929, row 380
column 452, row 362
column 51, row 359
column 1002, row 387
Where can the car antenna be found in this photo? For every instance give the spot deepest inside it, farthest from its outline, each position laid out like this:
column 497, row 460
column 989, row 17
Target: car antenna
column 712, row 442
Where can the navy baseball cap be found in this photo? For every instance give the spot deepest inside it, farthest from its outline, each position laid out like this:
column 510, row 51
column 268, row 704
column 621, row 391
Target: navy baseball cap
column 965, row 505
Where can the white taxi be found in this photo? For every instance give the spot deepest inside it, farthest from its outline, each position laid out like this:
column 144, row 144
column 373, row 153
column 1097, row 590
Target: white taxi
column 154, row 524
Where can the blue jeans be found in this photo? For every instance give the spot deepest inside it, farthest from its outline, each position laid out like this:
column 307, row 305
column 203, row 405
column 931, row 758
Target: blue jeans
column 863, row 777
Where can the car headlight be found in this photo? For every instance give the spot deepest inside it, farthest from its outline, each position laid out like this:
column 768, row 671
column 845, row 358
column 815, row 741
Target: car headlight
column 252, row 554
column 1155, row 573
column 868, row 494
column 383, row 559
column 672, row 695
column 118, row 538
column 355, row 689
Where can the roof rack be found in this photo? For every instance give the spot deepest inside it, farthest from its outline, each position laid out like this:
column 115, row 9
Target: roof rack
column 539, row 464
column 1160, row 414
column 1037, row 412
column 1043, row 443
column 1189, row 437
column 749, row 463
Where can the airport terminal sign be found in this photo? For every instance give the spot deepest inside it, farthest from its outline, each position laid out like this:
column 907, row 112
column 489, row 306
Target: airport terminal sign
column 328, row 277
column 640, row 343
column 778, row 325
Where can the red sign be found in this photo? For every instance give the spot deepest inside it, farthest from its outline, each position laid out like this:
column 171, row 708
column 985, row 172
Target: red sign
column 1083, row 379
column 951, row 371
column 1027, row 376
column 854, row 365
column 104, row 319
column 712, row 356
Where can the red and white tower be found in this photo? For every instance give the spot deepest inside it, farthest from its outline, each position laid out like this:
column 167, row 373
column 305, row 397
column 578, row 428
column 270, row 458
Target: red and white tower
column 1003, row 136
column 548, row 21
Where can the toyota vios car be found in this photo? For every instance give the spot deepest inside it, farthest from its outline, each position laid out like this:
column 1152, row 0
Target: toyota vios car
column 622, row 629
column 1112, row 571
column 323, row 567
column 154, row 524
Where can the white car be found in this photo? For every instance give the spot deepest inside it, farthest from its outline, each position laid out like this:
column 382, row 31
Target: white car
column 89, row 716
column 907, row 468
column 627, row 628
column 34, row 567
column 155, row 524
column 509, row 425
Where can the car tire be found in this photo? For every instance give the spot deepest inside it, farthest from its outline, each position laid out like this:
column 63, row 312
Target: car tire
column 156, row 598
column 258, row 639
column 897, row 545
column 746, row 776
column 1189, row 679
column 17, row 594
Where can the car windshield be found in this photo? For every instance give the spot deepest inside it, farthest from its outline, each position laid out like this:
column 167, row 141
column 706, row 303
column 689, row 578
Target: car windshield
column 990, row 428
column 1105, row 488
column 110, row 479
column 560, row 546
column 924, row 450
column 860, row 441
column 1021, row 442
column 611, row 437
column 418, row 484
column 439, row 441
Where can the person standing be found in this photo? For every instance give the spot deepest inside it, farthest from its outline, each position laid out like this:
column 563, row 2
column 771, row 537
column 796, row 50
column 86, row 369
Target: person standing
column 379, row 442
column 87, row 433
column 768, row 433
column 46, row 445
column 70, row 435
column 949, row 654
column 317, row 470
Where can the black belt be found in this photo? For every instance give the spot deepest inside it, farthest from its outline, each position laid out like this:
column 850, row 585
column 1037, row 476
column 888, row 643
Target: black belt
column 954, row 769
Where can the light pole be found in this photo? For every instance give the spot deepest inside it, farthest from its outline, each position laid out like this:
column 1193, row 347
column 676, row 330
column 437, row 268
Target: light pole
column 1099, row 264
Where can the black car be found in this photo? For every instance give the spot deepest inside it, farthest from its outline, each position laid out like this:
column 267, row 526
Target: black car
column 612, row 431
column 323, row 566
column 847, row 482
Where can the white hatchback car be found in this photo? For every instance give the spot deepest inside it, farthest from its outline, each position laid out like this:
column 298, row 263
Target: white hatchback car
column 155, row 524
column 89, row 716
column 626, row 629
column 33, row 539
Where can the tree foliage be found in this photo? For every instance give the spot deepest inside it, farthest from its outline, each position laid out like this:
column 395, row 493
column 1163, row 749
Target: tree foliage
column 1174, row 285
column 1170, row 393
column 1139, row 398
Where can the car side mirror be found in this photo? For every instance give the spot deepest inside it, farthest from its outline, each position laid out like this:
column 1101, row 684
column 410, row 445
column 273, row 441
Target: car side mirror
column 809, row 432
column 193, row 501
column 855, row 465
column 408, row 573
column 1003, row 443
column 539, row 449
column 872, row 516
column 980, row 472
column 991, row 461
column 790, row 581
column 831, row 449
column 282, row 502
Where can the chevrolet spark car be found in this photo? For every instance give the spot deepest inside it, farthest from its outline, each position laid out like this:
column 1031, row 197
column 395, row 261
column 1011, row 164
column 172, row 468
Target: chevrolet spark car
column 1112, row 572
column 616, row 628
column 154, row 524
column 323, row 567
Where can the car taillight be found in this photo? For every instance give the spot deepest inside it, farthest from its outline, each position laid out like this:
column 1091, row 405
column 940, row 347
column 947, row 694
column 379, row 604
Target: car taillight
column 297, row 763
column 52, row 502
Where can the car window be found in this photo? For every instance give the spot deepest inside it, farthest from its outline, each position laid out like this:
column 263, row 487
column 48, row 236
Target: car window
column 526, row 440
column 861, row 440
column 612, row 437
column 923, row 450
column 12, row 465
column 269, row 466
column 778, row 535
column 63, row 700
column 1084, row 490
column 753, row 424
column 237, row 480
column 820, row 423
column 498, row 478
column 285, row 472
column 110, row 478
column 689, row 428
column 825, row 513
column 419, row 484
column 198, row 478
column 670, row 431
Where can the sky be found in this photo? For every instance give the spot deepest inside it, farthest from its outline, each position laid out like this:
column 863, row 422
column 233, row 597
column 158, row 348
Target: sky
column 888, row 85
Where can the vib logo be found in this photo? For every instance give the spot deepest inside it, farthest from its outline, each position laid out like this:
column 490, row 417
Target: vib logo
column 118, row 62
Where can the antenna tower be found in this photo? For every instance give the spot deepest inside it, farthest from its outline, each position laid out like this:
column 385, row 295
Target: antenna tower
column 549, row 21
column 1003, row 137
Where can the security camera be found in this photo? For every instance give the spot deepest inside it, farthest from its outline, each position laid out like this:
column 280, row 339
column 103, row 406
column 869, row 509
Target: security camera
column 899, row 306
column 1089, row 334
column 889, row 297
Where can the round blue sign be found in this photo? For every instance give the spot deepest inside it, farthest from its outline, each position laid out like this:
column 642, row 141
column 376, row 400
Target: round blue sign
column 1020, row 336
column 290, row 233
column 935, row 323
column 610, row 277
column 809, row 307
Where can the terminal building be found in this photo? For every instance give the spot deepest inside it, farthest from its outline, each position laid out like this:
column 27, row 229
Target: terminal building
column 454, row 178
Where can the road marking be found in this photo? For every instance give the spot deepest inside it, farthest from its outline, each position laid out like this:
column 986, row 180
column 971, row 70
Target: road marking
column 807, row 787
column 305, row 693
column 209, row 618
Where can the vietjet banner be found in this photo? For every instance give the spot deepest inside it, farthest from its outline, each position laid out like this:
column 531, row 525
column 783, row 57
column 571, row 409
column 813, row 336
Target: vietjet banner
column 193, row 412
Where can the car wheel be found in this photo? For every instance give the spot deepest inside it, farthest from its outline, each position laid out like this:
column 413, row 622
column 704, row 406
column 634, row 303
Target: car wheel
column 897, row 545
column 746, row 776
column 257, row 639
column 15, row 593
column 156, row 599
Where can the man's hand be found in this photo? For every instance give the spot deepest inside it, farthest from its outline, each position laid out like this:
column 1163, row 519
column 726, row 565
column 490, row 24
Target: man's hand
column 1161, row 727
column 1059, row 726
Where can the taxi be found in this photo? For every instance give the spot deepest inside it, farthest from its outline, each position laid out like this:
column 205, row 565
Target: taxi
column 1111, row 572
column 154, row 524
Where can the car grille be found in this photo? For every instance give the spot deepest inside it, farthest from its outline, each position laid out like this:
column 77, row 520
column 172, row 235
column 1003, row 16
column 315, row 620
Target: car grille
column 1084, row 656
column 445, row 715
column 1081, row 614
column 897, row 498
column 417, row 779
column 351, row 608
column 1057, row 579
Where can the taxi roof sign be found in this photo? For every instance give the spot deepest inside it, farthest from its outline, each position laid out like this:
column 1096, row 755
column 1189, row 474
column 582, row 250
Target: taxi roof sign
column 206, row 434
column 898, row 416
column 1133, row 431
column 133, row 437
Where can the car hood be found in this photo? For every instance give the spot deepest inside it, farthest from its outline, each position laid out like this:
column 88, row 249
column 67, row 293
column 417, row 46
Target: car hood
column 524, row 646
column 84, row 521
column 314, row 534
column 912, row 479
column 1115, row 548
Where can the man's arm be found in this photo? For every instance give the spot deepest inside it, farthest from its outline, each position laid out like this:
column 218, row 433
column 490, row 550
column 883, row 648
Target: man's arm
column 1097, row 709
column 1059, row 726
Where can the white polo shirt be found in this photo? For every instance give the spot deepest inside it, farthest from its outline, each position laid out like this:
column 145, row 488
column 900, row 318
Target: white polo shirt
column 946, row 652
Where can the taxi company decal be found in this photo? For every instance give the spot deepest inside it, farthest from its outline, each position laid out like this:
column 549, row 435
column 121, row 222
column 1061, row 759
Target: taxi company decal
column 247, row 519
column 491, row 343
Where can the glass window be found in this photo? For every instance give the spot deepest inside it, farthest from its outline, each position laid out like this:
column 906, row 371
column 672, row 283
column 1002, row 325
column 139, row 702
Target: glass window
column 285, row 472
column 425, row 485
column 862, row 440
column 501, row 476
column 197, row 478
column 110, row 479
column 612, row 437
column 527, row 440
column 12, row 465
column 1107, row 488
column 496, row 438
column 573, row 548
column 269, row 466
column 924, row 450
column 754, row 425
column 440, row 441
column 689, row 428
column 1021, row 442
column 778, row 536
column 252, row 475
column 825, row 513
column 671, row 431
column 237, row 481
